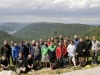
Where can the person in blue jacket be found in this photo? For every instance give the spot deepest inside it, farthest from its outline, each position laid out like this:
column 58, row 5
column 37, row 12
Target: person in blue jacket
column 15, row 52
column 76, row 42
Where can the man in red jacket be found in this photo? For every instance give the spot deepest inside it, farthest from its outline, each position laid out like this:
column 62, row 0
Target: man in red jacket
column 60, row 54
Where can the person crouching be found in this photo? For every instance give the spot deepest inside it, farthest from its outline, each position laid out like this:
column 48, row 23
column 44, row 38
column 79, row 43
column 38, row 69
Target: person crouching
column 29, row 62
column 4, row 63
column 20, row 64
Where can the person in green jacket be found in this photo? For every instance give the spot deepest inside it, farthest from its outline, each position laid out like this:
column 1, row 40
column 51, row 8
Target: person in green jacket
column 44, row 50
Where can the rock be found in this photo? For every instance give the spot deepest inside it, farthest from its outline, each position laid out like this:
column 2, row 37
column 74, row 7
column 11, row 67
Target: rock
column 4, row 72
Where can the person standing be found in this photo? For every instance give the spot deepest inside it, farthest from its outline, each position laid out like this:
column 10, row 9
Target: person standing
column 44, row 51
column 31, row 48
column 6, row 49
column 95, row 48
column 67, row 39
column 71, row 49
column 37, row 54
column 48, row 42
column 88, row 45
column 27, row 45
column 61, row 39
column 76, row 42
column 51, row 53
column 15, row 52
column 22, row 48
column 41, row 43
column 60, row 55
column 56, row 41
column 80, row 50
column 11, row 46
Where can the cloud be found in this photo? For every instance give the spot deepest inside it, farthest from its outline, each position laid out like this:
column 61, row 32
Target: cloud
column 95, row 5
column 28, row 4
column 50, row 9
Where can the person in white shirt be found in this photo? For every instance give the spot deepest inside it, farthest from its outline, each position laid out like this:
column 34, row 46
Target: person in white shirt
column 71, row 49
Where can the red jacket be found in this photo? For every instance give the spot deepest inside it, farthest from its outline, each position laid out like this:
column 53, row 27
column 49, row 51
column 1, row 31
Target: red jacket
column 60, row 53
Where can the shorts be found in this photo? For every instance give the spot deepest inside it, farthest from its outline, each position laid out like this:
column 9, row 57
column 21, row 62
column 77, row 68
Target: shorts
column 45, row 58
column 87, row 53
column 37, row 58
column 52, row 58
column 81, row 54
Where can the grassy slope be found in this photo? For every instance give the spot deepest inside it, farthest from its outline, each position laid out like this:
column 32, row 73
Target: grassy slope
column 6, row 36
column 92, row 32
column 44, row 30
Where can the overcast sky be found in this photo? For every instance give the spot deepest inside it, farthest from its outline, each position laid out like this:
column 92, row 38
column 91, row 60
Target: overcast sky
column 63, row 11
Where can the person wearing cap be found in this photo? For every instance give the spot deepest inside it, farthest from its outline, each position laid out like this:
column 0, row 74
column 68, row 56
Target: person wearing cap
column 4, row 64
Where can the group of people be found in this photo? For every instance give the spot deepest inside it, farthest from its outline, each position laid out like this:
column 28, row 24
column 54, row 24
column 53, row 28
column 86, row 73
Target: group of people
column 59, row 50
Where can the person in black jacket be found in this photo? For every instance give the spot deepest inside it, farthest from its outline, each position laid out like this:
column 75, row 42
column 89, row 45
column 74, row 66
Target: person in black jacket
column 29, row 62
column 4, row 64
column 81, row 51
column 5, row 49
column 88, row 45
column 20, row 64
column 27, row 45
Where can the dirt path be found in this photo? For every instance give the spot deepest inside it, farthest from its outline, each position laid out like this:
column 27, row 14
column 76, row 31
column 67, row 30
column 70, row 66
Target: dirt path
column 90, row 71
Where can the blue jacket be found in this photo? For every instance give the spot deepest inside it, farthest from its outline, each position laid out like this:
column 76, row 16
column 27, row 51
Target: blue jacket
column 76, row 42
column 15, row 52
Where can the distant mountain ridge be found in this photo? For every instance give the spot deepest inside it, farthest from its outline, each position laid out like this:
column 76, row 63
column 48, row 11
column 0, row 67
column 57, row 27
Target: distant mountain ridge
column 11, row 27
column 6, row 36
column 46, row 30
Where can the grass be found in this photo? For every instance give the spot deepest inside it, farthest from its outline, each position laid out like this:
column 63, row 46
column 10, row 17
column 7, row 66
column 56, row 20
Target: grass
column 48, row 71
column 64, row 70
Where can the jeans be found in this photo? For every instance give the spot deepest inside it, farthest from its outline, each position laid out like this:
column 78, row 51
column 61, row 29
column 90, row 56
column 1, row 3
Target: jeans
column 59, row 60
column 64, row 61
column 94, row 56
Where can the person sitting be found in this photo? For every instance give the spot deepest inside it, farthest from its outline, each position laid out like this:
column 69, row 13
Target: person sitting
column 4, row 63
column 20, row 64
column 29, row 62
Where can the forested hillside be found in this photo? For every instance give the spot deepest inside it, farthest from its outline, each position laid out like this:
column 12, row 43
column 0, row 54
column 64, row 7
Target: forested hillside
column 46, row 30
column 6, row 36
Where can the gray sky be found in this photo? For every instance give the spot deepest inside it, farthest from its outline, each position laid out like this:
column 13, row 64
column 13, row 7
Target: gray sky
column 63, row 11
